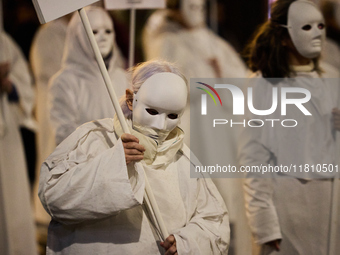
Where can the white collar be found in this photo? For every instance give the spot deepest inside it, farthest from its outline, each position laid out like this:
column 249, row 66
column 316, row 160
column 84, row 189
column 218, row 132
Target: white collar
column 303, row 68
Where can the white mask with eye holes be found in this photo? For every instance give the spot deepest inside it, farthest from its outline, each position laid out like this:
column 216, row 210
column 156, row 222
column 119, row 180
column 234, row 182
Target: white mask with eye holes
column 306, row 28
column 193, row 12
column 102, row 28
column 158, row 105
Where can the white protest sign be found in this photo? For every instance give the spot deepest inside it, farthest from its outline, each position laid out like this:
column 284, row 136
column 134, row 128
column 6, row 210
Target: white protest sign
column 134, row 4
column 48, row 10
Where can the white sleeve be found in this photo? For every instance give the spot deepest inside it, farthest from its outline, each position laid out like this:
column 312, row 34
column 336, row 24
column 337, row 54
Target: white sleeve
column 208, row 230
column 87, row 179
column 261, row 211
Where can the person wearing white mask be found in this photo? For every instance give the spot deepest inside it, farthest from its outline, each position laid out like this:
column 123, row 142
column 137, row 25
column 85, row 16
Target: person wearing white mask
column 17, row 234
column 93, row 189
column 180, row 35
column 289, row 212
column 77, row 93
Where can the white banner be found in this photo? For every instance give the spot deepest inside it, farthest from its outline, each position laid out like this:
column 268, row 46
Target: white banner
column 134, row 4
column 48, row 10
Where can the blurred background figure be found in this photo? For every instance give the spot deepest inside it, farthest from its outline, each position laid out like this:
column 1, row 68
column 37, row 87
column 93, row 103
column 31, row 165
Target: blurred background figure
column 290, row 213
column 179, row 34
column 17, row 235
column 331, row 50
column 77, row 92
column 45, row 59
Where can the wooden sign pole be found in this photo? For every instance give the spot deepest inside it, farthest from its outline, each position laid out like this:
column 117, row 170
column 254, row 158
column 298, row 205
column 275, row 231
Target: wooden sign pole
column 148, row 191
column 132, row 37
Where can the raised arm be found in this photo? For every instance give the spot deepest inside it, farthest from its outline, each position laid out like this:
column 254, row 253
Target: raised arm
column 86, row 177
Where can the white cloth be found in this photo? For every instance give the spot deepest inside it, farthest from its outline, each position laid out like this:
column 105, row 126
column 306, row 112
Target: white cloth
column 77, row 93
column 192, row 51
column 22, row 80
column 45, row 58
column 294, row 209
column 95, row 200
column 17, row 235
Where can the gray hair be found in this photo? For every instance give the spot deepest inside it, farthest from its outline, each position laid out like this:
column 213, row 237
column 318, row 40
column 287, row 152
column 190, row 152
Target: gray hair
column 141, row 72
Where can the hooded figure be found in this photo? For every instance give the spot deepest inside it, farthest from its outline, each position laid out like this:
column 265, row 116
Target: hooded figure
column 77, row 92
column 289, row 210
column 17, row 235
column 179, row 34
column 93, row 190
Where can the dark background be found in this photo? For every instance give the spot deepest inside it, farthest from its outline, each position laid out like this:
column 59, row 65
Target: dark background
column 237, row 21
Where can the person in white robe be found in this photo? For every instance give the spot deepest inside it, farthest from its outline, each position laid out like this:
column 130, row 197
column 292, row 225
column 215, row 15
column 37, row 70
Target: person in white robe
column 45, row 59
column 179, row 34
column 290, row 212
column 77, row 93
column 93, row 190
column 17, row 235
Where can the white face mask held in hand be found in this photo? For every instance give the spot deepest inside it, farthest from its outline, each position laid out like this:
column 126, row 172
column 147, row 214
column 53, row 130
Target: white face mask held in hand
column 306, row 27
column 193, row 12
column 158, row 105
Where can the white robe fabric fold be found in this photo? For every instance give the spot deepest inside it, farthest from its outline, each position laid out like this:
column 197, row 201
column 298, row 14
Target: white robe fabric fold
column 95, row 200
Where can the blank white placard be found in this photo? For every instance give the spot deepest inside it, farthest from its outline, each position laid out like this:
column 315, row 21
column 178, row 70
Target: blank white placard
column 134, row 4
column 49, row 10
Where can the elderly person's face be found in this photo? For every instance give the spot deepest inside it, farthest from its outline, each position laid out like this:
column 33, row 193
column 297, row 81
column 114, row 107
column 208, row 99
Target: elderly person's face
column 158, row 105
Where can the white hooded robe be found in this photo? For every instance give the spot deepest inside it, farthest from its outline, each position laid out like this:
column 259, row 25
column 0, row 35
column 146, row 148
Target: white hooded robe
column 191, row 50
column 77, row 93
column 95, row 200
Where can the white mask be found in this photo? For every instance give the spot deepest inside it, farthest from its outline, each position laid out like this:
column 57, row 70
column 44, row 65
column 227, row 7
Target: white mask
column 306, row 28
column 158, row 105
column 193, row 12
column 102, row 28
